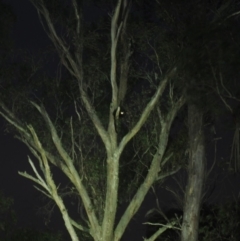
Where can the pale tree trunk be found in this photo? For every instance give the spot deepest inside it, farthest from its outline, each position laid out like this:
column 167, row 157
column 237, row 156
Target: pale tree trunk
column 195, row 175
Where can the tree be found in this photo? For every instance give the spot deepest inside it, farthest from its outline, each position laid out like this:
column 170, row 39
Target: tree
column 62, row 137
column 80, row 130
column 217, row 222
column 196, row 170
column 164, row 219
column 206, row 52
column 196, row 174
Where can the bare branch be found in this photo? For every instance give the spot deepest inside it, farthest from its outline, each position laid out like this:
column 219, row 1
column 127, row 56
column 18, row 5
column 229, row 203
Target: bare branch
column 71, row 65
column 57, row 41
column 223, row 100
column 73, row 175
column 72, row 139
column 40, row 190
column 55, row 137
column 96, row 121
column 233, row 14
column 218, row 91
column 37, row 174
column 153, row 171
column 157, row 58
column 169, row 225
column 167, row 174
column 161, row 230
column 52, row 187
column 147, row 110
column 77, row 42
column 10, row 118
column 114, row 38
column 77, row 15
column 79, row 226
column 118, row 28
column 28, row 176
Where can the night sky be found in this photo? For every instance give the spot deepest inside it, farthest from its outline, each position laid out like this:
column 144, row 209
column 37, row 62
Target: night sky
column 29, row 35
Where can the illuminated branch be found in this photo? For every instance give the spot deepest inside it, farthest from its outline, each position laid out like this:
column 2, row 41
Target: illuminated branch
column 49, row 184
column 74, row 176
column 71, row 65
column 153, row 171
column 147, row 110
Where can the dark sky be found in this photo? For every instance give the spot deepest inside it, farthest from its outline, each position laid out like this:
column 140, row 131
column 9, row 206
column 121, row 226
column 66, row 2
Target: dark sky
column 28, row 31
column 29, row 35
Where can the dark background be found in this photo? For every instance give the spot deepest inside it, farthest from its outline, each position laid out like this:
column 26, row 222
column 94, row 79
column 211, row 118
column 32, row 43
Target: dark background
column 29, row 35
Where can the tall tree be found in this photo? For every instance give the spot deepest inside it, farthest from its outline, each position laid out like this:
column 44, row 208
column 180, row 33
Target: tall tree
column 200, row 30
column 196, row 174
column 207, row 99
column 75, row 121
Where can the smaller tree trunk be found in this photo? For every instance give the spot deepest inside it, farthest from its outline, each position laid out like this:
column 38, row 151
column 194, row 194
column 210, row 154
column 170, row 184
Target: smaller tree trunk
column 195, row 175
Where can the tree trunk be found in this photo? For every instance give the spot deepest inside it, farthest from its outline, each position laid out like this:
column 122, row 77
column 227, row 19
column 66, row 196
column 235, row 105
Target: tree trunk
column 195, row 174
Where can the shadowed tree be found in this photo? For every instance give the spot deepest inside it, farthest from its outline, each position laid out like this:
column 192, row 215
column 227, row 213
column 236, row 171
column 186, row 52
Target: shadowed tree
column 210, row 58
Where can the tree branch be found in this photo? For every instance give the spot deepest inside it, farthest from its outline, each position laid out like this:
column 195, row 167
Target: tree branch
column 74, row 176
column 161, row 230
column 74, row 68
column 152, row 172
column 52, row 189
column 147, row 110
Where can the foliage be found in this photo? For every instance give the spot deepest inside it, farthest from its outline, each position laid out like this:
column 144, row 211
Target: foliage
column 7, row 215
column 26, row 234
column 220, row 222
column 164, row 218
column 8, row 225
column 217, row 222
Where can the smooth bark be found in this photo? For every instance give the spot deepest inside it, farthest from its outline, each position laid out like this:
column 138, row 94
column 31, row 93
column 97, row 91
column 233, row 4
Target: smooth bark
column 196, row 169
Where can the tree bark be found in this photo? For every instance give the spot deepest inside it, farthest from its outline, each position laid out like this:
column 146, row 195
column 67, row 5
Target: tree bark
column 195, row 175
